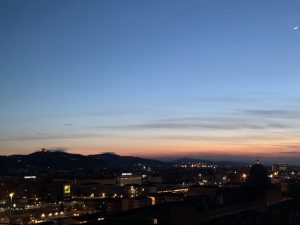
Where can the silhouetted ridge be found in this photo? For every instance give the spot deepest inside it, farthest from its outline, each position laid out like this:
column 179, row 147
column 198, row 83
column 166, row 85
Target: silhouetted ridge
column 58, row 159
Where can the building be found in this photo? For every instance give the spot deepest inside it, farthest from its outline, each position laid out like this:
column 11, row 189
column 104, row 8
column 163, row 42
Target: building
column 258, row 176
column 129, row 178
column 282, row 167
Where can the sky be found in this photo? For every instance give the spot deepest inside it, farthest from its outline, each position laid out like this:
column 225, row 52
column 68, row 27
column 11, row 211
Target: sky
column 151, row 78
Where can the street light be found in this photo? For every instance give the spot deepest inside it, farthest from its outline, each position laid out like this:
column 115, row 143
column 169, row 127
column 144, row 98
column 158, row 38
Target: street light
column 11, row 195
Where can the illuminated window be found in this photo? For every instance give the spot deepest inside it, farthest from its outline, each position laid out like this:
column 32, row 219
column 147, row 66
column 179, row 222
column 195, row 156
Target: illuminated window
column 67, row 189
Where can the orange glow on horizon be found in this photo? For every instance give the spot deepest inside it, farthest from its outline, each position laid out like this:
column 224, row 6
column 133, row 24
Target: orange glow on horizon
column 150, row 147
column 184, row 148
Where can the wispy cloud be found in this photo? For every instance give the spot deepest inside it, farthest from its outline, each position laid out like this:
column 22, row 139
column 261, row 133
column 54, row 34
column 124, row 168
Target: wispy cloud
column 277, row 113
column 288, row 149
column 183, row 124
column 290, row 152
column 54, row 136
column 232, row 139
column 54, row 116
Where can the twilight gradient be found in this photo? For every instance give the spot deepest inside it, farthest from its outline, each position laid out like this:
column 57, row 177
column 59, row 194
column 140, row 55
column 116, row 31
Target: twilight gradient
column 151, row 78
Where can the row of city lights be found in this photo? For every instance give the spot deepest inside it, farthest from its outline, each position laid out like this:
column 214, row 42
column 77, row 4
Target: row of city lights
column 51, row 214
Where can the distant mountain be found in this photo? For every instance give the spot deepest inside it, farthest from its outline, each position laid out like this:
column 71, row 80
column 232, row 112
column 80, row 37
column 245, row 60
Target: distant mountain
column 58, row 160
column 111, row 159
column 48, row 159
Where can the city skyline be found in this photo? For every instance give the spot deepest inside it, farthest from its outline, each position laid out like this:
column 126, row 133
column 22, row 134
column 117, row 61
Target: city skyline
column 153, row 79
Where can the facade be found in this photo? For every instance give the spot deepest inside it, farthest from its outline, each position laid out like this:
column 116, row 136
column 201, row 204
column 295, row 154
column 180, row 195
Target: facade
column 128, row 179
column 280, row 167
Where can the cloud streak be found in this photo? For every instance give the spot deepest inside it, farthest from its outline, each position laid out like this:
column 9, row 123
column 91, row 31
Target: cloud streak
column 275, row 113
column 297, row 153
column 189, row 125
column 54, row 136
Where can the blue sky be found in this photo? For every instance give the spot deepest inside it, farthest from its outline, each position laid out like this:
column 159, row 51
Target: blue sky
column 150, row 77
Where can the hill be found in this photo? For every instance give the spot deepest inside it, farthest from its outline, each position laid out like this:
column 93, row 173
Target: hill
column 60, row 160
